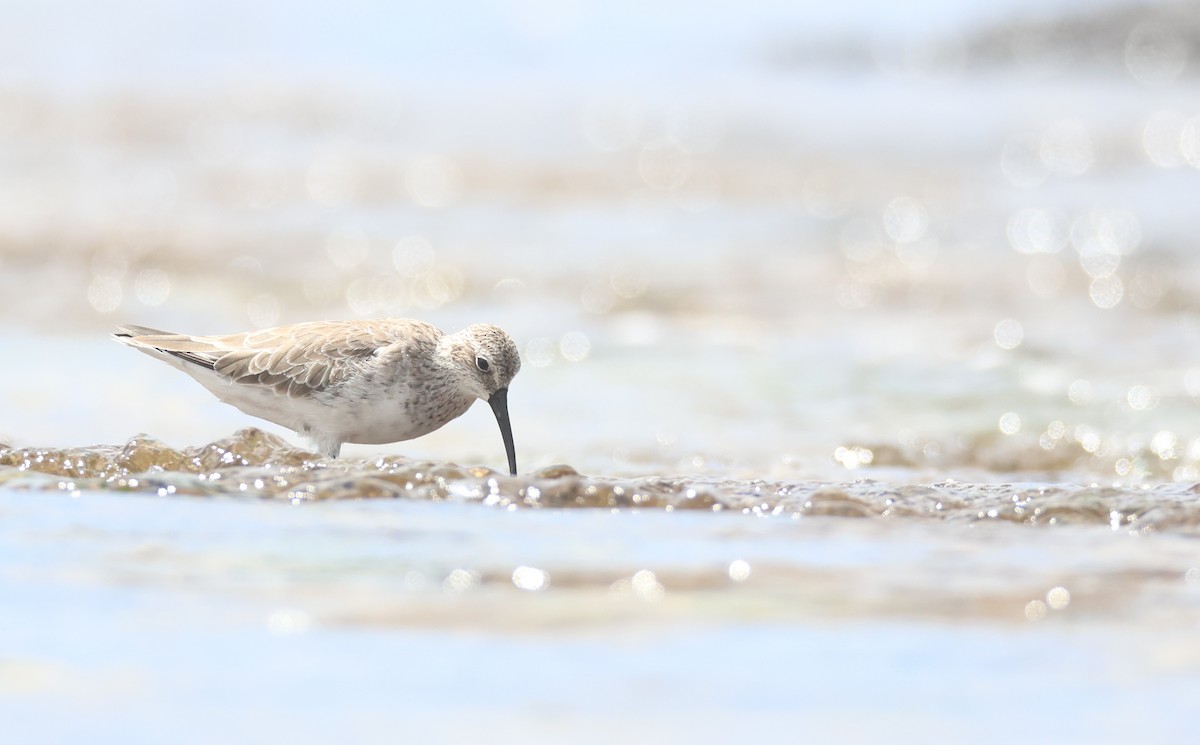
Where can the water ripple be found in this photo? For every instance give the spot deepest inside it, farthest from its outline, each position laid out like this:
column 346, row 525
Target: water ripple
column 255, row 464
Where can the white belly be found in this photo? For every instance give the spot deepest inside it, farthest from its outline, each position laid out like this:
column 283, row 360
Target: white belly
column 346, row 414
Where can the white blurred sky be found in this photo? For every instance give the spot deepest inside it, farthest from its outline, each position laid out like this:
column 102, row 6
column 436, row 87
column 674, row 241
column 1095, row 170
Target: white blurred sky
column 79, row 46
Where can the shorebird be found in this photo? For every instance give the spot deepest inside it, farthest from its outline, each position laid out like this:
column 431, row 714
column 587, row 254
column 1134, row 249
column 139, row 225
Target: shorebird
column 372, row 382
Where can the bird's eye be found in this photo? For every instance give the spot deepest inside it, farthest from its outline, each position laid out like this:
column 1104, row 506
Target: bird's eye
column 482, row 364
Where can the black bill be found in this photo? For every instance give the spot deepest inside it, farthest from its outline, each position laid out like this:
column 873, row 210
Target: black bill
column 499, row 404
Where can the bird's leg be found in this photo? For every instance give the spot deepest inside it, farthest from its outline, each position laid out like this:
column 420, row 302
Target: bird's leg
column 327, row 446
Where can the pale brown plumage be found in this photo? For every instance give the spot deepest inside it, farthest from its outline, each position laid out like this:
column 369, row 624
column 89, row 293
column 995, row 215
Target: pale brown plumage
column 370, row 381
column 296, row 360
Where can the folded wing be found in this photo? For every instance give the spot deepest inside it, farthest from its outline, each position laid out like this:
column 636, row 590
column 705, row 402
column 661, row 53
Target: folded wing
column 293, row 360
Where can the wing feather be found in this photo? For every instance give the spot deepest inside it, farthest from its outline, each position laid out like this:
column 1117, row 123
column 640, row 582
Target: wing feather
column 297, row 360
column 293, row 360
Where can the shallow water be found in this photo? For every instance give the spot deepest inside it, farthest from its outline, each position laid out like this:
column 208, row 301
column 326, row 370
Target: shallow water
column 859, row 394
column 449, row 620
column 449, row 601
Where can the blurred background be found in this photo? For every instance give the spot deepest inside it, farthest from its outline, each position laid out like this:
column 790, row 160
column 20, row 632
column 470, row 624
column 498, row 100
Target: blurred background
column 761, row 240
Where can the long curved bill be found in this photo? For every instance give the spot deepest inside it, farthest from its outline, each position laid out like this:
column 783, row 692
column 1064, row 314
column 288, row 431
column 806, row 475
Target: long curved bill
column 499, row 404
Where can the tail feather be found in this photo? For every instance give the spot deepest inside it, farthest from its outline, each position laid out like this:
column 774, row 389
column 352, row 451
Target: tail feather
column 128, row 331
column 177, row 345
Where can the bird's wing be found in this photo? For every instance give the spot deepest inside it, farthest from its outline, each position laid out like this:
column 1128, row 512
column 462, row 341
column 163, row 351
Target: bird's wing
column 293, row 360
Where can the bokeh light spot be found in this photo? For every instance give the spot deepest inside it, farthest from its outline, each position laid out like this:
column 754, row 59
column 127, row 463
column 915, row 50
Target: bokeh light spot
column 1118, row 231
column 905, row 219
column 539, row 352
column 288, row 622
column 1106, row 292
column 628, row 281
column 1035, row 610
column 1058, row 598
column 854, row 457
column 574, row 346
column 1189, row 141
column 1155, row 53
column 645, row 586
column 460, row 581
column 1010, row 423
column 1142, row 398
column 438, row 286
column 1038, row 231
column 1008, row 334
column 1166, row 445
column 104, row 293
column 531, row 579
column 1162, row 138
